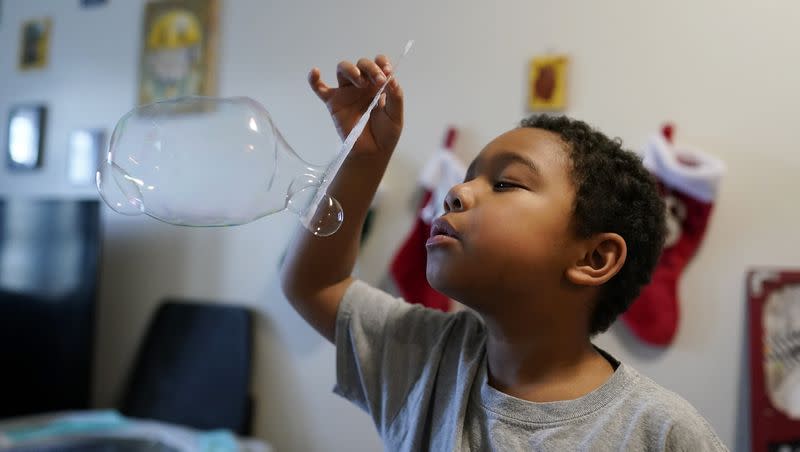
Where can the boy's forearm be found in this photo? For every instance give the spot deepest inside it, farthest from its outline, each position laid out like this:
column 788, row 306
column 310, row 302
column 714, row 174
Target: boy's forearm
column 315, row 263
column 316, row 273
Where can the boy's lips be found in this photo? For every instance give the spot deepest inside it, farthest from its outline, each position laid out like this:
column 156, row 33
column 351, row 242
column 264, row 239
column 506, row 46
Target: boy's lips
column 442, row 232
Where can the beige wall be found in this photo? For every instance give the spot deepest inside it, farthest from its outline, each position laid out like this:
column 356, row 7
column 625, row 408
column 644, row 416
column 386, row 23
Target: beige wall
column 725, row 72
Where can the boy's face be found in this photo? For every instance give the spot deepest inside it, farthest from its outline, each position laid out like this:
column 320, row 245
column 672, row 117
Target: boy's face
column 506, row 228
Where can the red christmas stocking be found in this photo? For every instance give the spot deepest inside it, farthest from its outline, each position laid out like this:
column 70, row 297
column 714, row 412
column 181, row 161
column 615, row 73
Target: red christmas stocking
column 409, row 264
column 688, row 180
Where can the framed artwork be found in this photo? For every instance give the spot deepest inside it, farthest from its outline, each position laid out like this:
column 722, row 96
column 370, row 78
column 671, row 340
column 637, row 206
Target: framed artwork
column 774, row 308
column 85, row 150
column 178, row 56
column 34, row 44
column 548, row 83
column 25, row 137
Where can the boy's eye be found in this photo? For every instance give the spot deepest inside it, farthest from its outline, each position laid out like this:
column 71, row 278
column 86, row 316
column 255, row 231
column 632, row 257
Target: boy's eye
column 505, row 186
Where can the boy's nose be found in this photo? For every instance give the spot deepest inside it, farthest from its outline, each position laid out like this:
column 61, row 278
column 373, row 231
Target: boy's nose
column 457, row 199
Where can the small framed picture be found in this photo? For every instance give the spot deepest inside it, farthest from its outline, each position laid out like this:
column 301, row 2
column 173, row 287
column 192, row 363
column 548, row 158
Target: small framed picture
column 548, row 83
column 179, row 48
column 85, row 149
column 34, row 44
column 25, row 136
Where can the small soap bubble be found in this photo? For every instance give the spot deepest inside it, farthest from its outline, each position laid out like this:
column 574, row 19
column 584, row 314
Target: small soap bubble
column 322, row 221
column 328, row 217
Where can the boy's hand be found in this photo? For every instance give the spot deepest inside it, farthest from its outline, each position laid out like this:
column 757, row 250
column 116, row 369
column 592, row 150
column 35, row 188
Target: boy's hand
column 358, row 84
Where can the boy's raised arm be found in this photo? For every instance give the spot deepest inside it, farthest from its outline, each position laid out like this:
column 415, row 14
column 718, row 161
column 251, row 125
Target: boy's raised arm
column 317, row 270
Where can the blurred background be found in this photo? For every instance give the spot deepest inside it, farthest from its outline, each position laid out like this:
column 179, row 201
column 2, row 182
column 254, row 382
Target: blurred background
column 724, row 73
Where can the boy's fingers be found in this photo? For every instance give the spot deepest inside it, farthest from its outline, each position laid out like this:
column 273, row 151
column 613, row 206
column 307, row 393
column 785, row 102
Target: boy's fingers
column 348, row 74
column 385, row 64
column 370, row 69
column 322, row 90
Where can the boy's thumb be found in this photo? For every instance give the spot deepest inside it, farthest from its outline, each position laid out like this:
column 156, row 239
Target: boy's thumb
column 317, row 85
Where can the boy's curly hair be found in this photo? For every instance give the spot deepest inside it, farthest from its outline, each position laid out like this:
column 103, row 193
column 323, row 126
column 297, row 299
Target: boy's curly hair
column 614, row 193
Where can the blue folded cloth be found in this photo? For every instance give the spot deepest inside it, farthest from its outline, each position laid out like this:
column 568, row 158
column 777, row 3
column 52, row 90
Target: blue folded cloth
column 217, row 441
column 66, row 425
column 112, row 423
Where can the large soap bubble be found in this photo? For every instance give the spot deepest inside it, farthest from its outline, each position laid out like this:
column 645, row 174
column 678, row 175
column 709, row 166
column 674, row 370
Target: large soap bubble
column 199, row 161
column 203, row 161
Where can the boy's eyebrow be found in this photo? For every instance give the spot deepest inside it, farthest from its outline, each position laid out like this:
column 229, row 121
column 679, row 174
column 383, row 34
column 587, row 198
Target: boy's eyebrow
column 507, row 158
column 501, row 161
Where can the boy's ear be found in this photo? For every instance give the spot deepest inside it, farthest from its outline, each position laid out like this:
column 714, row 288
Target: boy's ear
column 602, row 257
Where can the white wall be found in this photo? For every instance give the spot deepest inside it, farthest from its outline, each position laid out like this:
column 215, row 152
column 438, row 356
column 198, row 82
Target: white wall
column 724, row 71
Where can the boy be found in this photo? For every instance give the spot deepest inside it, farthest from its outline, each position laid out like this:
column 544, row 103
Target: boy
column 549, row 239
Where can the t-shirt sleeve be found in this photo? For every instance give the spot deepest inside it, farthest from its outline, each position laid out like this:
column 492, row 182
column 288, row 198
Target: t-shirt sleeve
column 383, row 346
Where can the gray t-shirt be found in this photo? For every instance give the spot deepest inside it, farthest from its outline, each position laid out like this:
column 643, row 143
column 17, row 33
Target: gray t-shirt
column 421, row 375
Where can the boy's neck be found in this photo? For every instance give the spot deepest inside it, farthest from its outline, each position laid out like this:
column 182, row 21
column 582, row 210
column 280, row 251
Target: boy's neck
column 543, row 363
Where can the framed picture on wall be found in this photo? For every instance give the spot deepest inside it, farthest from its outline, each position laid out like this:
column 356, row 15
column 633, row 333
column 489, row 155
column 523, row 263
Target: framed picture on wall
column 25, row 137
column 34, row 44
column 85, row 150
column 774, row 307
column 178, row 49
column 548, row 83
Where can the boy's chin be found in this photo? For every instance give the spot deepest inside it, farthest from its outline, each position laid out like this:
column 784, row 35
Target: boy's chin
column 453, row 291
column 454, row 284
column 440, row 281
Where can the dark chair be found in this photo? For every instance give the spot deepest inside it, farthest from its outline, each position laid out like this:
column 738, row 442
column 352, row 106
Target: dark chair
column 49, row 252
column 193, row 367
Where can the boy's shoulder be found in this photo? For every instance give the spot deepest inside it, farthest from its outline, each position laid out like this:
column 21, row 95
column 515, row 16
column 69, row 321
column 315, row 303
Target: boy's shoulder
column 664, row 408
column 661, row 398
